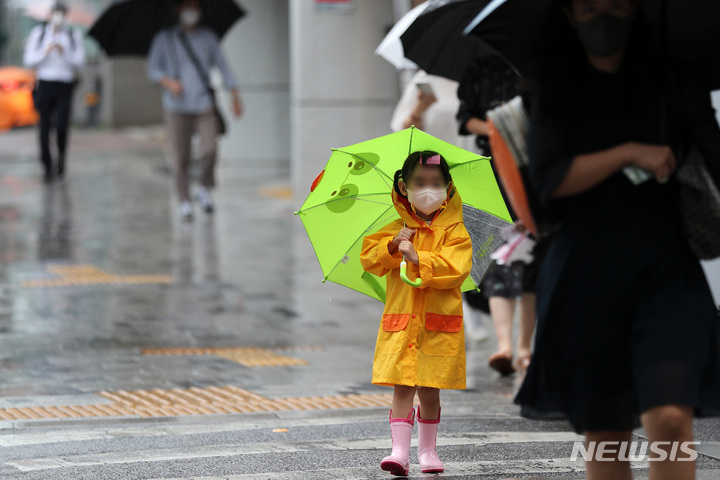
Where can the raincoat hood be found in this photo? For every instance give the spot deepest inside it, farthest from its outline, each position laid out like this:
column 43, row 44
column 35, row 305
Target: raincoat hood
column 450, row 214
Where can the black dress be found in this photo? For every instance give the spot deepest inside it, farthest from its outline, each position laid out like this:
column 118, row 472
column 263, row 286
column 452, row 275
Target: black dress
column 626, row 320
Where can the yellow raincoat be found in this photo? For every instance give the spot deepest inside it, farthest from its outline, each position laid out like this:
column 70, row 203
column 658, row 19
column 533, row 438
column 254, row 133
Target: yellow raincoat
column 421, row 341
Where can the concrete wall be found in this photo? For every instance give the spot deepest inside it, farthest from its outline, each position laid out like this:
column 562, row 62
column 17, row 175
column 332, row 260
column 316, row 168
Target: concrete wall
column 258, row 51
column 127, row 95
column 341, row 93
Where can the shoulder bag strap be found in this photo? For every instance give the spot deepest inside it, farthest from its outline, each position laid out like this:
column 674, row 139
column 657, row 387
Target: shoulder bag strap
column 196, row 62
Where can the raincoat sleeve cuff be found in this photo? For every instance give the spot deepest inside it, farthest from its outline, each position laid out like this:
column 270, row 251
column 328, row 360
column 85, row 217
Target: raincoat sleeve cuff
column 426, row 267
column 387, row 260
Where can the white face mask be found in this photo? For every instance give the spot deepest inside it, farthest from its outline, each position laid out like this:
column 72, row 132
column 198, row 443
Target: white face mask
column 427, row 200
column 57, row 18
column 189, row 17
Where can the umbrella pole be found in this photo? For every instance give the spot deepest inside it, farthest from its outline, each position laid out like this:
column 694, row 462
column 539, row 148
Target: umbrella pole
column 403, row 275
column 403, row 272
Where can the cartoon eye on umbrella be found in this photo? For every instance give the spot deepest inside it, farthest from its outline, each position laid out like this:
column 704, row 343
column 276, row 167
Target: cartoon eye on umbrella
column 351, row 198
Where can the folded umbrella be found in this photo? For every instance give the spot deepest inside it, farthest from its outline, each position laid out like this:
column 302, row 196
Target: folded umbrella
column 351, row 199
column 128, row 27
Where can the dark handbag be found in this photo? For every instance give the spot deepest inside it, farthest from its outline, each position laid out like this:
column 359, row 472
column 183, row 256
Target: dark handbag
column 699, row 206
column 221, row 124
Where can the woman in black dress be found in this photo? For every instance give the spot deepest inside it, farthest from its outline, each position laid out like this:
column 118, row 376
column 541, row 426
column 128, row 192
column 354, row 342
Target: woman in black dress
column 627, row 330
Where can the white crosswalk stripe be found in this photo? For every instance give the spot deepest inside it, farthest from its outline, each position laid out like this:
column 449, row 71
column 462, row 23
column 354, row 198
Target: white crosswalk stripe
column 477, row 439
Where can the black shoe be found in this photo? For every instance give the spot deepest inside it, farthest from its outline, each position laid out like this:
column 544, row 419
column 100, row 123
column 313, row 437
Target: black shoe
column 61, row 166
column 47, row 177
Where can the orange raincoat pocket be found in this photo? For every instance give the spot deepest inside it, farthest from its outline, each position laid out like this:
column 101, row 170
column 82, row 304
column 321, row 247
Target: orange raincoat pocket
column 443, row 323
column 442, row 335
column 392, row 337
column 395, row 322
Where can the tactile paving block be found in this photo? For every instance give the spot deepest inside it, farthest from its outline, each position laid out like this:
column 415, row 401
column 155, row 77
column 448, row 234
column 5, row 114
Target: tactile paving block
column 81, row 275
column 248, row 356
column 194, row 401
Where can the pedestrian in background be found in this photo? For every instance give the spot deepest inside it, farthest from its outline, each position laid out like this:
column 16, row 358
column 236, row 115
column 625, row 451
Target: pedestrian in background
column 508, row 287
column 627, row 331
column 180, row 61
column 420, row 345
column 56, row 53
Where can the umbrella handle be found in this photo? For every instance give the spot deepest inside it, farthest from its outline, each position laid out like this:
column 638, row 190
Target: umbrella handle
column 403, row 275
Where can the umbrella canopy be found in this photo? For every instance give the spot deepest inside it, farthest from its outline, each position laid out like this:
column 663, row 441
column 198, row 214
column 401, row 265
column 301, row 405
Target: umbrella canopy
column 391, row 48
column 351, row 199
column 128, row 27
column 435, row 40
column 686, row 31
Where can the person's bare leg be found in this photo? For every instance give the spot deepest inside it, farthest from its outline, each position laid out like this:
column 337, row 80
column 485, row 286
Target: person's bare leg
column 527, row 327
column 669, row 423
column 402, row 401
column 429, row 403
column 502, row 311
column 608, row 470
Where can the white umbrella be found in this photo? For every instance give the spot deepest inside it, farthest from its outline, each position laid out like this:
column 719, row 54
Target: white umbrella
column 81, row 12
column 391, row 48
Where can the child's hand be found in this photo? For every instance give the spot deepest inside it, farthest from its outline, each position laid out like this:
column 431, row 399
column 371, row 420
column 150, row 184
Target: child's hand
column 404, row 234
column 407, row 249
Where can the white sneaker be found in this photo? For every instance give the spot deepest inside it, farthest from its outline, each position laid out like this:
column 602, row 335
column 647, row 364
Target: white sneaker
column 186, row 211
column 205, row 199
column 475, row 325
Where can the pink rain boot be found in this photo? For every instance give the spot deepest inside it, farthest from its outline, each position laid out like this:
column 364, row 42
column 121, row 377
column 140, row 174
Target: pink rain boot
column 427, row 436
column 398, row 463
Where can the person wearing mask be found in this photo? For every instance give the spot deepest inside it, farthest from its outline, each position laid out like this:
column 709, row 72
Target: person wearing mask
column 180, row 62
column 430, row 103
column 627, row 330
column 56, row 53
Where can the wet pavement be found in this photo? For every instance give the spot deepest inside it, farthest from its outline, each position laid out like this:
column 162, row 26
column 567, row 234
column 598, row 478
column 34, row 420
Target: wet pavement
column 135, row 346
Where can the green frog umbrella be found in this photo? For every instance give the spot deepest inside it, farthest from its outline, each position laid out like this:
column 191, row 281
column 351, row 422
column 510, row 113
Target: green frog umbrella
column 351, row 198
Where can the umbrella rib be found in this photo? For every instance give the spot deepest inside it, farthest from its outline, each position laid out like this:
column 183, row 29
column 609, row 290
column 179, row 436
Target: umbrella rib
column 412, row 130
column 352, row 244
column 479, row 159
column 357, row 197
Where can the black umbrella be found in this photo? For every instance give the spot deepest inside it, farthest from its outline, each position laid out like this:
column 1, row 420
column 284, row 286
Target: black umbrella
column 684, row 30
column 128, row 27
column 435, row 40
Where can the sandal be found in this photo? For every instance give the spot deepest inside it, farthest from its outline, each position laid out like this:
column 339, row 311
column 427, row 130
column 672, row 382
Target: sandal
column 523, row 362
column 502, row 363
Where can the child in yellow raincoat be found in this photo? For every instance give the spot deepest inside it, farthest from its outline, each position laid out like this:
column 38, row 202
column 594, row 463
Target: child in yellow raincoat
column 420, row 344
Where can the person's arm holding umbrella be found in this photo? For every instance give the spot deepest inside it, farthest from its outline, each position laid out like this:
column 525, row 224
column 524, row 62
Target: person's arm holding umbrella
column 158, row 68
column 228, row 77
